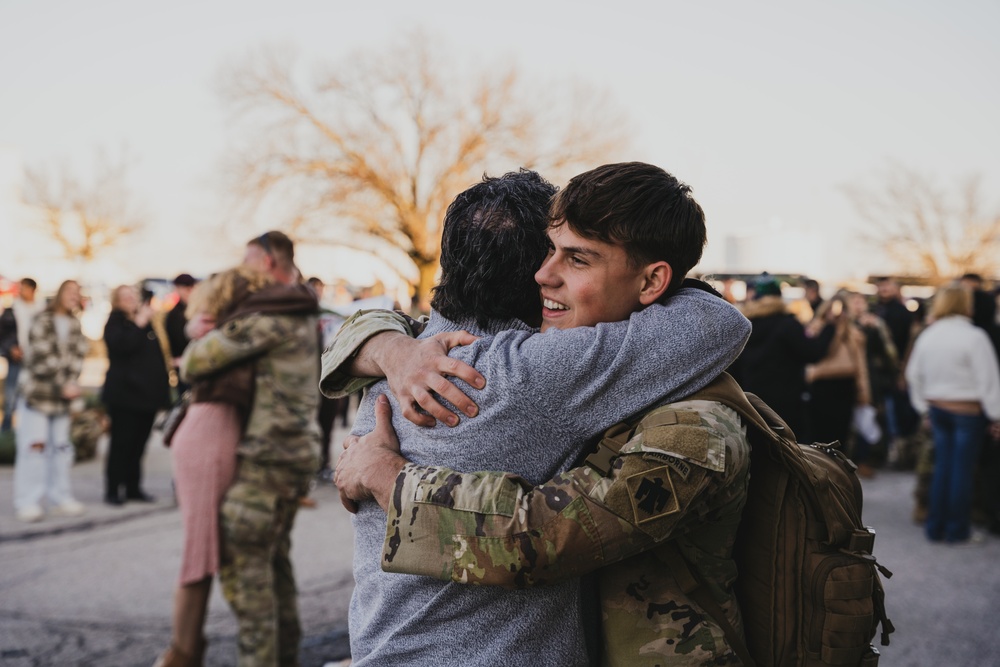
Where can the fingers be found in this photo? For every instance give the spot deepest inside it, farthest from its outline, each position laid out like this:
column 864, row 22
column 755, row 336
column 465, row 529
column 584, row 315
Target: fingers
column 383, row 412
column 463, row 371
column 348, row 504
column 411, row 413
column 456, row 339
column 349, row 440
column 383, row 424
column 449, row 391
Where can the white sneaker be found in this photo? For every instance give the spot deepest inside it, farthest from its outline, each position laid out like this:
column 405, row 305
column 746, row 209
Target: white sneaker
column 30, row 514
column 69, row 508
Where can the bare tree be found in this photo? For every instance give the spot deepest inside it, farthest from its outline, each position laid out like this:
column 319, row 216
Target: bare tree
column 84, row 219
column 372, row 152
column 927, row 228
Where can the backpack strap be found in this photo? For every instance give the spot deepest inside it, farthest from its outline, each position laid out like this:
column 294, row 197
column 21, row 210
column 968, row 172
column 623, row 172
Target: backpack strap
column 724, row 389
column 692, row 587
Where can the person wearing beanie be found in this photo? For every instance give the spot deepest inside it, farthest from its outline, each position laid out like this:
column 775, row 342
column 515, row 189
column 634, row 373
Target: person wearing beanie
column 773, row 362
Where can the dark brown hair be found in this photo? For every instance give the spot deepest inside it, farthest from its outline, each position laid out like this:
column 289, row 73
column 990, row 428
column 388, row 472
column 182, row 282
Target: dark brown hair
column 638, row 206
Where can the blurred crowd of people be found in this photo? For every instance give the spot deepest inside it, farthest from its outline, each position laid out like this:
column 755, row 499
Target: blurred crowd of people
column 905, row 384
column 235, row 364
column 902, row 384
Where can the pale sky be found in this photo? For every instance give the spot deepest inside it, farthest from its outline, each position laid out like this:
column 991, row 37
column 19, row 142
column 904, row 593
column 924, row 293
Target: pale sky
column 766, row 109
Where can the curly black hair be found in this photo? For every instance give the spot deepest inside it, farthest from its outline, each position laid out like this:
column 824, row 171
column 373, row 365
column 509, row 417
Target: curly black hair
column 494, row 240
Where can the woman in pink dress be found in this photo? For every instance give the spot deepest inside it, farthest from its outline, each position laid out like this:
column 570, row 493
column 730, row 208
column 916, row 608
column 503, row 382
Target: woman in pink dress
column 204, row 453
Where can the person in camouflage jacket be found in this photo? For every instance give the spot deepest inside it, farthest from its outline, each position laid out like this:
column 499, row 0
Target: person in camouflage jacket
column 676, row 491
column 278, row 455
column 678, row 485
column 49, row 385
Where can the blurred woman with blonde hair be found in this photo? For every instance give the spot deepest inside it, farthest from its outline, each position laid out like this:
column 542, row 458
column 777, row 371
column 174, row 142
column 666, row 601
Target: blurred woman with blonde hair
column 953, row 377
column 136, row 387
column 49, row 386
column 204, row 444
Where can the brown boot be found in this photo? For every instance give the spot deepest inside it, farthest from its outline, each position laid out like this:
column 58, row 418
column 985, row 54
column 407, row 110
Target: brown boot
column 174, row 657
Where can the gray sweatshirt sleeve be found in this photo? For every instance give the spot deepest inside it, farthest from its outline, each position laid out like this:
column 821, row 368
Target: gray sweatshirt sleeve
column 589, row 378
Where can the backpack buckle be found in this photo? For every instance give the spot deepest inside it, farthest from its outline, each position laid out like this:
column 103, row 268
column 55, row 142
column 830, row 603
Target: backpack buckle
column 862, row 540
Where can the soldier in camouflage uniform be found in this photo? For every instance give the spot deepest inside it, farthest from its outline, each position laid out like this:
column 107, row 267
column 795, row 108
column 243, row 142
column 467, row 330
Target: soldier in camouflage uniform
column 677, row 487
column 277, row 456
column 676, row 492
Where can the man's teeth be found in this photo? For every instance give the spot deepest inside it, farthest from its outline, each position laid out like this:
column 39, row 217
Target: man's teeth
column 553, row 305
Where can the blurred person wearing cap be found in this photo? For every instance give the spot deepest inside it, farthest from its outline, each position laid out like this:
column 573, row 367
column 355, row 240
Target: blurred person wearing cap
column 773, row 363
column 176, row 320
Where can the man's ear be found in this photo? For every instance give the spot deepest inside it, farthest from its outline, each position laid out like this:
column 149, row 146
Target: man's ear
column 656, row 280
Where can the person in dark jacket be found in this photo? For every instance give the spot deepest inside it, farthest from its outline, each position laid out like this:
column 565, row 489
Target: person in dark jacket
column 175, row 321
column 135, row 388
column 773, row 362
column 901, row 418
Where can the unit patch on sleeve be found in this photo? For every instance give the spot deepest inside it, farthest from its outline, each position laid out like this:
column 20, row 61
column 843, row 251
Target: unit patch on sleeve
column 652, row 494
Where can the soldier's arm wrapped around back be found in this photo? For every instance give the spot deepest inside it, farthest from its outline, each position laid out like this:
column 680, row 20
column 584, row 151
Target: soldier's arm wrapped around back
column 494, row 528
column 350, row 338
column 234, row 342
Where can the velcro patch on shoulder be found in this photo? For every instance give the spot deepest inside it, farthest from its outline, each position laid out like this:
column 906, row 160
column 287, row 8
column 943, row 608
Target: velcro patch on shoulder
column 669, row 418
column 668, row 435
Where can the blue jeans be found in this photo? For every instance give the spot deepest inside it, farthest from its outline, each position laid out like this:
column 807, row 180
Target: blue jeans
column 10, row 393
column 957, row 439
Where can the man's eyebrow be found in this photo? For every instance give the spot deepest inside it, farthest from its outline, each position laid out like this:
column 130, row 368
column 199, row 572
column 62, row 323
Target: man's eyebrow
column 578, row 250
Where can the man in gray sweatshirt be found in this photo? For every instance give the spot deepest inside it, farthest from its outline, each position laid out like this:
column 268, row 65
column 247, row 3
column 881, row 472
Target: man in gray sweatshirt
column 562, row 388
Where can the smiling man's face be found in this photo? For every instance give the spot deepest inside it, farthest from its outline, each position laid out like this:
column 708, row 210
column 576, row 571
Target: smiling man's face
column 584, row 282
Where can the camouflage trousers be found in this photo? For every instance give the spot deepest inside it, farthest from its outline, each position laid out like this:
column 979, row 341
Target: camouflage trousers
column 255, row 570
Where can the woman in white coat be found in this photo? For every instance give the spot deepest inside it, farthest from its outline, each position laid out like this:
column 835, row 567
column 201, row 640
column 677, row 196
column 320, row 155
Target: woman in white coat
column 954, row 378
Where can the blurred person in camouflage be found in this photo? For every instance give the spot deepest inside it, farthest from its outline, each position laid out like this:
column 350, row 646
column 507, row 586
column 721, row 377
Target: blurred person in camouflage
column 277, row 456
column 15, row 323
column 205, row 443
column 622, row 238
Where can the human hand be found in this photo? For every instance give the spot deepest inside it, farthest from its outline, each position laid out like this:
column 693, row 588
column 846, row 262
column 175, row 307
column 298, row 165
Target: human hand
column 995, row 430
column 143, row 315
column 416, row 368
column 71, row 390
column 198, row 326
column 370, row 463
column 16, row 354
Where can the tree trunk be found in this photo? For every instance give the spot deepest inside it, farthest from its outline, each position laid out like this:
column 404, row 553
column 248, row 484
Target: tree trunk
column 428, row 278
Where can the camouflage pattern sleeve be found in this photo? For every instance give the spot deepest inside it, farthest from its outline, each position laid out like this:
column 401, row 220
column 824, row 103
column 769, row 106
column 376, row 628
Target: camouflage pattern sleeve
column 235, row 341
column 334, row 381
column 496, row 529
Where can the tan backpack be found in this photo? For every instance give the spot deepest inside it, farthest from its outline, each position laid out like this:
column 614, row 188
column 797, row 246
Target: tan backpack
column 808, row 584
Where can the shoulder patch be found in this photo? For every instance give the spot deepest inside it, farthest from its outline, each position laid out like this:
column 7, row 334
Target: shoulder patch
column 673, row 436
column 652, row 494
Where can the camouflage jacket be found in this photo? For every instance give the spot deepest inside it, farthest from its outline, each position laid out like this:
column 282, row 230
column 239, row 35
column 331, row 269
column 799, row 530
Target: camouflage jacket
column 49, row 364
column 282, row 428
column 679, row 484
column 334, row 381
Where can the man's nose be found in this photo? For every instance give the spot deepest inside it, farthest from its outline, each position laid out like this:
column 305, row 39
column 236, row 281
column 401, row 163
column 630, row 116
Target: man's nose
column 545, row 275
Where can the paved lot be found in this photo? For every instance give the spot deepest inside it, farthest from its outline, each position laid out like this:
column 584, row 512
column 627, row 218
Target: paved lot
column 96, row 590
